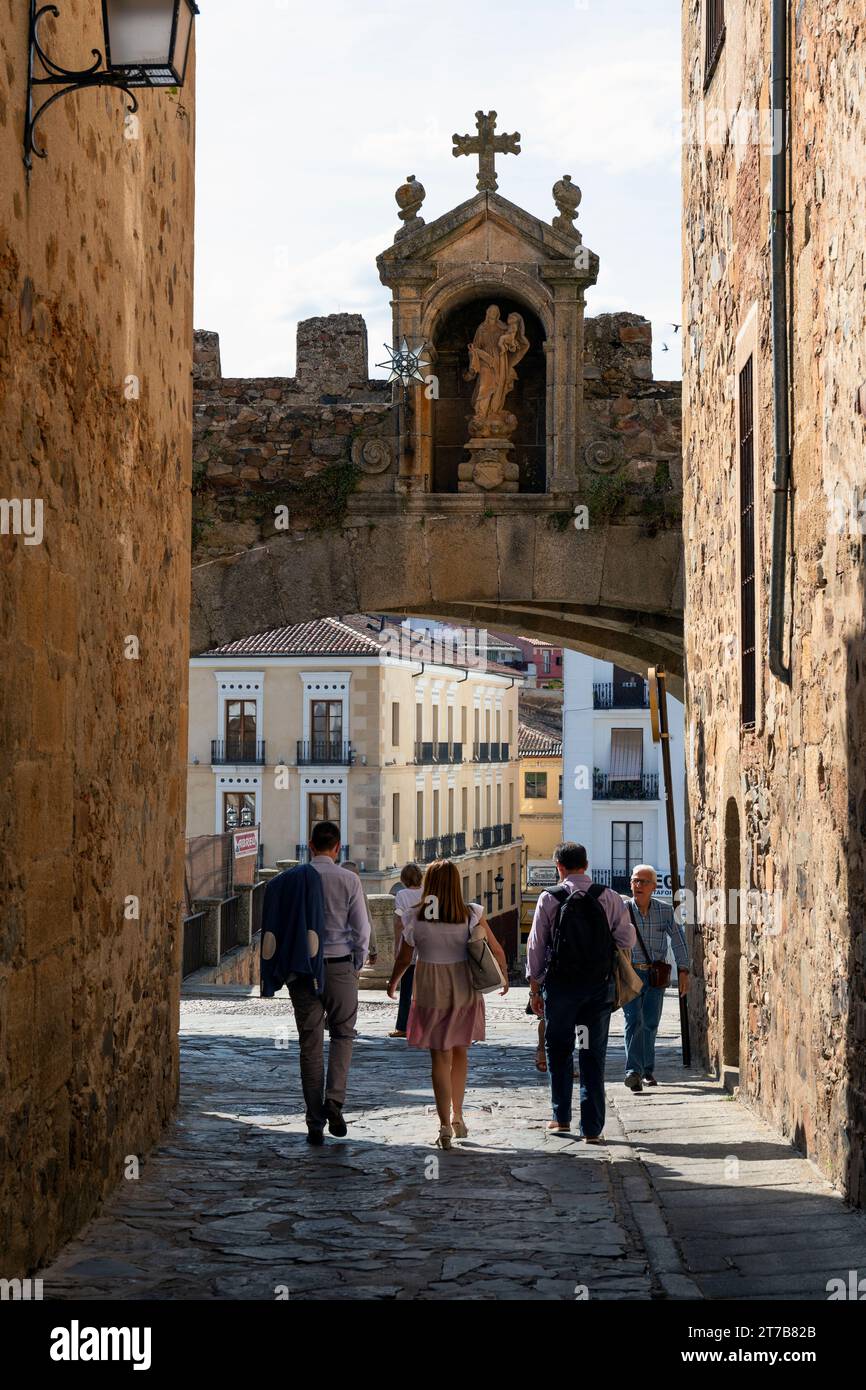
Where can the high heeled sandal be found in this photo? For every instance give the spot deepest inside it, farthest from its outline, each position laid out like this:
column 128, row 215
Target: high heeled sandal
column 444, row 1140
column 459, row 1127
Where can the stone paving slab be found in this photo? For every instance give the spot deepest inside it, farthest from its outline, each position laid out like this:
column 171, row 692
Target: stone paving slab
column 234, row 1204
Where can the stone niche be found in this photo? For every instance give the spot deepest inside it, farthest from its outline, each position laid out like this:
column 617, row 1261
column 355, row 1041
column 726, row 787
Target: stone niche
column 453, row 412
column 444, row 276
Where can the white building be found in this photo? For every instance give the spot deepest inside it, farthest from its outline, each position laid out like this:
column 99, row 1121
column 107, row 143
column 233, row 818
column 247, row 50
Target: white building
column 613, row 784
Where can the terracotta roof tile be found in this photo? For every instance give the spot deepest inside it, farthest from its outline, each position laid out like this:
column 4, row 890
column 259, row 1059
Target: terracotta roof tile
column 535, row 742
column 325, row 637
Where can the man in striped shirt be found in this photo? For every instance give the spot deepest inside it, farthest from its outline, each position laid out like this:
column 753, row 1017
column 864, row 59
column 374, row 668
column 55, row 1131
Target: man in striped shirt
column 656, row 928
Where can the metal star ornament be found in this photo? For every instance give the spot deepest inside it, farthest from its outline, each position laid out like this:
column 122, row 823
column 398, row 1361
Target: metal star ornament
column 406, row 364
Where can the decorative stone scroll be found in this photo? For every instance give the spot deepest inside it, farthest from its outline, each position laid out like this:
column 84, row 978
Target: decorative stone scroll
column 600, row 457
column 372, row 455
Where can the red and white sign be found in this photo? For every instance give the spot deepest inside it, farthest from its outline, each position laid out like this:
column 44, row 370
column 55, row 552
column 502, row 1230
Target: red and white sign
column 246, row 843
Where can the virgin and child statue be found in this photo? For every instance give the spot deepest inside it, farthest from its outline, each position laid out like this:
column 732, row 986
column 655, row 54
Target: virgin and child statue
column 494, row 354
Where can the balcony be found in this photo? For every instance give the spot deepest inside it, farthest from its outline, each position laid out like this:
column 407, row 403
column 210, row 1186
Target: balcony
column 302, row 853
column 644, row 788
column 237, row 749
column 490, row 752
column 607, row 695
column 438, row 752
column 440, row 847
column 611, row 878
column 331, row 752
column 491, row 836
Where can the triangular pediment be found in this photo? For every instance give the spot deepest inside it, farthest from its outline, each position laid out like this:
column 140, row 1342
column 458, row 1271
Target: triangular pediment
column 486, row 229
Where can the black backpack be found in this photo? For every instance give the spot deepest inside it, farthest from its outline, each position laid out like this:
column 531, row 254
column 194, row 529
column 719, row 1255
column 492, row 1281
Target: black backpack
column 583, row 949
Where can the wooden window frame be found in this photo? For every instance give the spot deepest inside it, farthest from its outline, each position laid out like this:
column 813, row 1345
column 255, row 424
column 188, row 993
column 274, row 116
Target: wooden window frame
column 714, row 37
column 747, row 531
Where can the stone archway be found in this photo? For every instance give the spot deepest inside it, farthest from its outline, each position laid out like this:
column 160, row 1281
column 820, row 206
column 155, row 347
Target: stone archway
column 609, row 591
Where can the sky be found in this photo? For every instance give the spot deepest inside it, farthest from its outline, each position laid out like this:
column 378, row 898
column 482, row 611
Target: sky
column 309, row 116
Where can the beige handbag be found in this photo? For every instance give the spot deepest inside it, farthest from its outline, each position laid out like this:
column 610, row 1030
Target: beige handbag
column 483, row 966
column 628, row 982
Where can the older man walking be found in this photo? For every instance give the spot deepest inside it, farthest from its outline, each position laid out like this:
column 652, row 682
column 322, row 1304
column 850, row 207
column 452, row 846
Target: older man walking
column 655, row 928
column 346, row 937
column 570, row 964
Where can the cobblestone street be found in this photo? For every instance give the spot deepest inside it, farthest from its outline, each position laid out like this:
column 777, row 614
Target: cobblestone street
column 689, row 1198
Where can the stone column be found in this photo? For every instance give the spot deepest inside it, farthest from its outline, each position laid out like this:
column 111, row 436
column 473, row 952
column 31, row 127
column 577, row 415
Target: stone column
column 381, row 907
column 414, row 456
column 566, row 370
column 213, row 908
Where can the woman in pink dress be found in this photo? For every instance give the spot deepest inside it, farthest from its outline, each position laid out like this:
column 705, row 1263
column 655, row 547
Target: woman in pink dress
column 446, row 1015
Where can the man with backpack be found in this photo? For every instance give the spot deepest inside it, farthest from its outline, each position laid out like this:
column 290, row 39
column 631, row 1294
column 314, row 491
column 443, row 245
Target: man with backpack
column 570, row 962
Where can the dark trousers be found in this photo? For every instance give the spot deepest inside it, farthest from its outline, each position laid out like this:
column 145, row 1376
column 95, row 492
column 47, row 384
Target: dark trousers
column 568, row 1008
column 336, row 1006
column 405, row 1000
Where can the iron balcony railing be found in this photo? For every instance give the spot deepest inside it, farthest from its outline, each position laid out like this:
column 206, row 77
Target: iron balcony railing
column 193, row 942
column 237, row 749
column 644, row 788
column 229, row 923
column 490, row 836
column 302, row 854
column 491, row 752
column 313, row 751
column 611, row 878
column 438, row 752
column 440, row 847
column 606, row 695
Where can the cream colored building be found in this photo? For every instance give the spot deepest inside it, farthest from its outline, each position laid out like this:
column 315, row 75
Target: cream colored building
column 347, row 720
column 540, row 753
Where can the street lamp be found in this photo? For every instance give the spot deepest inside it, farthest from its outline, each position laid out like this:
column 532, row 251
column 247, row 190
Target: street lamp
column 499, row 881
column 146, row 45
column 247, row 815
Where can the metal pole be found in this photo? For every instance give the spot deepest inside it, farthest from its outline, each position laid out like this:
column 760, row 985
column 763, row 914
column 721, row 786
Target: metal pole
column 672, row 842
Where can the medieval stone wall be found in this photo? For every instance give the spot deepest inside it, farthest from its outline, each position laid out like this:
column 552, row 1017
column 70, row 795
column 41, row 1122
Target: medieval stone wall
column 309, row 441
column 791, row 792
column 95, row 415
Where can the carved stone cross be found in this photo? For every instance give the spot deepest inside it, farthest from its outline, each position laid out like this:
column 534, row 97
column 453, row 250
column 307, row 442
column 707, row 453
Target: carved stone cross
column 486, row 145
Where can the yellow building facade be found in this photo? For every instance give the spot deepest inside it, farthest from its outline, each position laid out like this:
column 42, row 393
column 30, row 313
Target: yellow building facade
column 540, row 779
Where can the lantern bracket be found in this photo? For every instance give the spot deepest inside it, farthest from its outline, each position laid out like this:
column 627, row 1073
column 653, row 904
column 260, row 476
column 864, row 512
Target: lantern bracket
column 67, row 79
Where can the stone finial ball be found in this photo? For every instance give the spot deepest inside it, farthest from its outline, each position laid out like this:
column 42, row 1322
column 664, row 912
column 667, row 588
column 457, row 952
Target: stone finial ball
column 566, row 194
column 410, row 194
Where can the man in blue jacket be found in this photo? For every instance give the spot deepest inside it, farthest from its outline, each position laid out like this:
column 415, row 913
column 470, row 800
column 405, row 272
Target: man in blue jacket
column 345, row 939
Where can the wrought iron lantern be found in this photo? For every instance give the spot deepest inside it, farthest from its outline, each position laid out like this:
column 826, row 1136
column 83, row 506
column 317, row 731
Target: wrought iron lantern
column 247, row 815
column 405, row 363
column 146, row 45
column 499, row 881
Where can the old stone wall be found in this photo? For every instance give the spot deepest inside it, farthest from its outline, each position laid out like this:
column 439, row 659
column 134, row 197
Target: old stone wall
column 95, row 417
column 310, row 441
column 632, row 454
column 780, row 808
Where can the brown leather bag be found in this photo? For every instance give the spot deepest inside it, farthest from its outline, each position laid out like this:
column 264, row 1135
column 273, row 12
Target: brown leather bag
column 659, row 976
